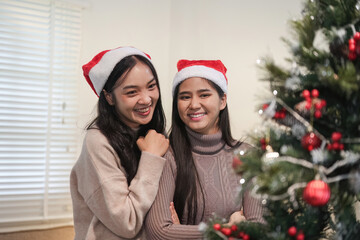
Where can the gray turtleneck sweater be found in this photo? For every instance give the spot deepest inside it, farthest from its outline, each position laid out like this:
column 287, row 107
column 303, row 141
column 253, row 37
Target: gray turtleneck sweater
column 213, row 160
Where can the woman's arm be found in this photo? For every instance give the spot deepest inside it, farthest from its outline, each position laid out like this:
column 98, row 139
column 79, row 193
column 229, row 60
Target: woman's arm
column 103, row 185
column 158, row 223
column 253, row 209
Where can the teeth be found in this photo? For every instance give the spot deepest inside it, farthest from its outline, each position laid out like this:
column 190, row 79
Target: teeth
column 197, row 115
column 142, row 110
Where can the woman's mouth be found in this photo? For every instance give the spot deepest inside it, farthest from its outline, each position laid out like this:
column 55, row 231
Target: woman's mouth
column 143, row 111
column 196, row 116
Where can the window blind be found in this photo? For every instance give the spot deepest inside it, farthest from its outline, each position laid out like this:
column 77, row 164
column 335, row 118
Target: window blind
column 39, row 54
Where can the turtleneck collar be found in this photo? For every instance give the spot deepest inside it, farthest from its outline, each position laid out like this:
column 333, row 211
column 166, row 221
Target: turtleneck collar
column 205, row 144
column 135, row 129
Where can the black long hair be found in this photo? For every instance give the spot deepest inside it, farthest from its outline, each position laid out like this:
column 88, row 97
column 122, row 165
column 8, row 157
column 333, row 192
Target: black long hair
column 187, row 181
column 121, row 137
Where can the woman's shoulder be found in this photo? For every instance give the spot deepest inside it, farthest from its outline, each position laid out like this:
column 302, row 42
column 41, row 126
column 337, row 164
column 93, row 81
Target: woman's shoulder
column 94, row 137
column 97, row 149
column 93, row 132
column 242, row 146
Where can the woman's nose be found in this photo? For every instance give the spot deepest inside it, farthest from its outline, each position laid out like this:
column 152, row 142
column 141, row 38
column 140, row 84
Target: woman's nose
column 145, row 99
column 194, row 103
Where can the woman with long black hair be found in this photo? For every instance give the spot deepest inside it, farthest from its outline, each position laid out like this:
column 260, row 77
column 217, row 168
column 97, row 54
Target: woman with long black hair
column 198, row 177
column 115, row 180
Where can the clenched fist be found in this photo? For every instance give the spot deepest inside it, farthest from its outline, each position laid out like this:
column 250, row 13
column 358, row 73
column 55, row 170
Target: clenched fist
column 154, row 143
column 236, row 217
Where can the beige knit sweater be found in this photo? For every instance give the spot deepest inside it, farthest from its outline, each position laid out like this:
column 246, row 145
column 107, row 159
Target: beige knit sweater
column 105, row 207
column 214, row 164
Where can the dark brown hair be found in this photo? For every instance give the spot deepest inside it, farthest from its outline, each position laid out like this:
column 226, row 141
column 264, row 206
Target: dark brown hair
column 121, row 137
column 187, row 180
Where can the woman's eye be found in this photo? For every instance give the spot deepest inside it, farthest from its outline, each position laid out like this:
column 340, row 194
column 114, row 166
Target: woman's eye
column 152, row 86
column 204, row 95
column 130, row 93
column 184, row 97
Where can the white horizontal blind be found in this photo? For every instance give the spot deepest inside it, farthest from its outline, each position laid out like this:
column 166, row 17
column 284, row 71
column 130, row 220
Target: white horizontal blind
column 39, row 53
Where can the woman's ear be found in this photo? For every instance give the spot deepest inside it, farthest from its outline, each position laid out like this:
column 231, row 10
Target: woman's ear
column 223, row 101
column 109, row 98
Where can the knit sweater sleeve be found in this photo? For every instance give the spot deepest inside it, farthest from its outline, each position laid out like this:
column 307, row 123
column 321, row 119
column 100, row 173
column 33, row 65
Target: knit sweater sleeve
column 158, row 223
column 103, row 184
column 253, row 209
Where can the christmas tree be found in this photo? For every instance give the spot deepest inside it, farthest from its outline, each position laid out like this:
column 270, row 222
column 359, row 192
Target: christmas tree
column 305, row 168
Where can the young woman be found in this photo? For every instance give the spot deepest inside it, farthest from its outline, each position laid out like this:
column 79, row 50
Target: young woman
column 198, row 176
column 115, row 180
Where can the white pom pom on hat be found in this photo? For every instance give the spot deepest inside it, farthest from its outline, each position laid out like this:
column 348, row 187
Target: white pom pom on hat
column 212, row 70
column 98, row 70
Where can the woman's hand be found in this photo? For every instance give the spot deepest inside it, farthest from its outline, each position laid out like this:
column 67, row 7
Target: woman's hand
column 236, row 217
column 174, row 216
column 154, row 143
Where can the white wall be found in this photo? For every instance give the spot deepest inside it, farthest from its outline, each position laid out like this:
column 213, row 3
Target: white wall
column 238, row 32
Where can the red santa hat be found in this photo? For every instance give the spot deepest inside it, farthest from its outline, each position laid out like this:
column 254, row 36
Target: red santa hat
column 212, row 70
column 98, row 70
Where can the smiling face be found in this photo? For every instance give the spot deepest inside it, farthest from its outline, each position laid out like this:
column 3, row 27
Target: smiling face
column 199, row 105
column 135, row 95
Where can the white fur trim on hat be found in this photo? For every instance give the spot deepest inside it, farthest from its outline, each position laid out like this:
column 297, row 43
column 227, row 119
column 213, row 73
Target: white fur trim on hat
column 200, row 71
column 100, row 73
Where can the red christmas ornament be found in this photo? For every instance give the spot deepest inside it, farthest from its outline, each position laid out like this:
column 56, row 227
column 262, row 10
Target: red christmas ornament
column 323, row 103
column 217, row 226
column 335, row 146
column 236, row 162
column 277, row 115
column 246, row 237
column 310, row 141
column 282, row 115
column 352, row 47
column 263, row 143
column 300, row 236
column 315, row 93
column 306, row 93
column 226, row 231
column 292, row 231
column 352, row 56
column 318, row 106
column 336, row 136
column 234, row 228
column 241, row 234
column 317, row 114
column 357, row 36
column 316, row 193
column 341, row 146
column 357, row 49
